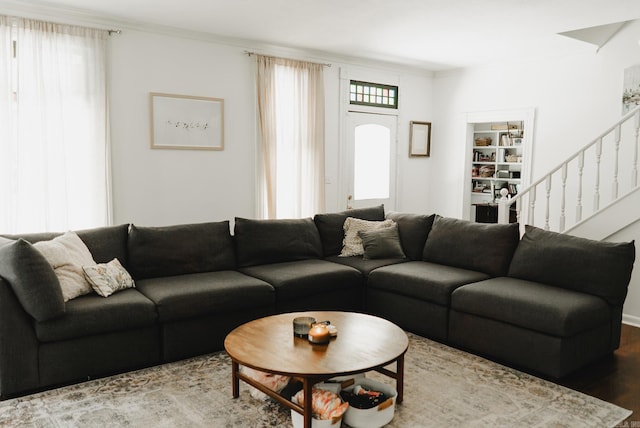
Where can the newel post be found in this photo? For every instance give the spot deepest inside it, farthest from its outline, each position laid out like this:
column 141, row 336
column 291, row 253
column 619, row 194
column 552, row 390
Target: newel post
column 503, row 207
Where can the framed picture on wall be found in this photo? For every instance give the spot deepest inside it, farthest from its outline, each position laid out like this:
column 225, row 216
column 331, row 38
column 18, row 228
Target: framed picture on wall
column 186, row 122
column 420, row 139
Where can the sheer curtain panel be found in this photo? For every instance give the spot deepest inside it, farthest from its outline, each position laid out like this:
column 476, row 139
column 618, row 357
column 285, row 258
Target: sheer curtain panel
column 290, row 98
column 53, row 132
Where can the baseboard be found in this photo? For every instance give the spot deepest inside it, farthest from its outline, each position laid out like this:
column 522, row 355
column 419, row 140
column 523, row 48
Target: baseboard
column 631, row 320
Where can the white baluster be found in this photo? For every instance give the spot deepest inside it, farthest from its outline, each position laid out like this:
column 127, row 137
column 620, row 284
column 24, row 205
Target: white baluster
column 596, row 193
column 532, row 206
column 564, row 196
column 548, row 189
column 614, row 191
column 634, row 168
column 579, row 202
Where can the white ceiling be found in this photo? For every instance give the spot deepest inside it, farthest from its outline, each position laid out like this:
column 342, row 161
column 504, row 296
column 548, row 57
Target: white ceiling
column 431, row 34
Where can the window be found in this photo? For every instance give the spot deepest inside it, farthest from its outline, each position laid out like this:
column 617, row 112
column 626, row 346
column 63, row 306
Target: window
column 53, row 138
column 291, row 115
column 373, row 94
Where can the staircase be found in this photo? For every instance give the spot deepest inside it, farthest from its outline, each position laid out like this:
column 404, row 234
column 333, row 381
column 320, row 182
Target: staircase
column 594, row 192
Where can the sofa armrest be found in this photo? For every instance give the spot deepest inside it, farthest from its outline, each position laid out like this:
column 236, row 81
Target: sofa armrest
column 18, row 346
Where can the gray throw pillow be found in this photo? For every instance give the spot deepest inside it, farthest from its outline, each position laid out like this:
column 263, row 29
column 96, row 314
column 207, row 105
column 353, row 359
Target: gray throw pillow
column 480, row 247
column 413, row 230
column 32, row 279
column 330, row 226
column 182, row 249
column 599, row 268
column 383, row 243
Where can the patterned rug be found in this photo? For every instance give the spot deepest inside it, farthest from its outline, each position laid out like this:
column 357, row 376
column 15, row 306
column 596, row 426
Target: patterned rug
column 444, row 387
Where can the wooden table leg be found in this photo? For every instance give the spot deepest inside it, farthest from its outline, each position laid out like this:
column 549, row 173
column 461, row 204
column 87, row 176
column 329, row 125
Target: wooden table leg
column 308, row 402
column 235, row 382
column 400, row 378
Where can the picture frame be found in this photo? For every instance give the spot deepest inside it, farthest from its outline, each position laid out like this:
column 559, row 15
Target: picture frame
column 420, row 139
column 186, row 122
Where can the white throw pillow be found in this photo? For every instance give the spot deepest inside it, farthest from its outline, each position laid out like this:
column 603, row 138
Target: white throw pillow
column 107, row 278
column 352, row 244
column 67, row 254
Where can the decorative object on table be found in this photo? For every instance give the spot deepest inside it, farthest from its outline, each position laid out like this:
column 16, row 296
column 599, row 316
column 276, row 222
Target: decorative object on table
column 420, row 139
column 319, row 333
column 186, row 122
column 302, row 325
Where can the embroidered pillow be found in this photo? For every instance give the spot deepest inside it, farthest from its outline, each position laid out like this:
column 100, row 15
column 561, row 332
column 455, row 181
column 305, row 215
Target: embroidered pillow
column 67, row 254
column 352, row 244
column 108, row 278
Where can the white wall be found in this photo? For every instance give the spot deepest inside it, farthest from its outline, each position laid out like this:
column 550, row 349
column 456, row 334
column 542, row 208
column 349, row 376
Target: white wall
column 157, row 187
column 576, row 98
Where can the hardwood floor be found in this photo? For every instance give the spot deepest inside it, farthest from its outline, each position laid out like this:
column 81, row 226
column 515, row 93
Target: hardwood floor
column 615, row 379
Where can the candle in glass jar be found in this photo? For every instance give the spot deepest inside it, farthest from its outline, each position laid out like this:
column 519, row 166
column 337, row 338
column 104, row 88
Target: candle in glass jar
column 319, row 333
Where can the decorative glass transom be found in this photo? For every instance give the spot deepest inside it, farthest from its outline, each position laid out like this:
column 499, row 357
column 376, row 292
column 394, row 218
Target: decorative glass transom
column 373, row 94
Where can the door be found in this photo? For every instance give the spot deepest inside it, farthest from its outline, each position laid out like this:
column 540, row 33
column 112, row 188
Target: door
column 370, row 160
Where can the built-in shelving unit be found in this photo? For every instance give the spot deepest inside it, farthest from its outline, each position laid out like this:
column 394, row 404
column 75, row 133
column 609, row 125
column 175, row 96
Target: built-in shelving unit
column 498, row 152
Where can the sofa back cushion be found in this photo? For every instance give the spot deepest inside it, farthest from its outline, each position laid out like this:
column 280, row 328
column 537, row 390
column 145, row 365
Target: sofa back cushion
column 261, row 242
column 413, row 230
column 481, row 247
column 595, row 267
column 330, row 226
column 181, row 249
column 107, row 243
column 32, row 279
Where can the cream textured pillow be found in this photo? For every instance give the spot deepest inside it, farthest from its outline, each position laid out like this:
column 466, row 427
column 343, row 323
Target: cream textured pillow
column 107, row 278
column 352, row 244
column 67, row 254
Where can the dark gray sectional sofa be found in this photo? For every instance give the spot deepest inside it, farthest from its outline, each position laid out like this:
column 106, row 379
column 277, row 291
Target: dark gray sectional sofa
column 547, row 303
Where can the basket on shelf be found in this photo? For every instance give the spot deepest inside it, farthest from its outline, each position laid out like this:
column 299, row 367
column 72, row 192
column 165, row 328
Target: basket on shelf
column 511, row 158
column 483, row 141
column 487, row 170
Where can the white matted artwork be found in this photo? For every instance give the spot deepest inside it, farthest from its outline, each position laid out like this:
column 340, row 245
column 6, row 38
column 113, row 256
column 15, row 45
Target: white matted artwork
column 186, row 122
column 631, row 90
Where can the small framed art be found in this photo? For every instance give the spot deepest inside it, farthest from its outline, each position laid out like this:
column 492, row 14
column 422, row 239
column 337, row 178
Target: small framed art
column 420, row 139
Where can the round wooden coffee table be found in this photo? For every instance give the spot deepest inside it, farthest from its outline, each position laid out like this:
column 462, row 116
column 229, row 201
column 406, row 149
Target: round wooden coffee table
column 364, row 342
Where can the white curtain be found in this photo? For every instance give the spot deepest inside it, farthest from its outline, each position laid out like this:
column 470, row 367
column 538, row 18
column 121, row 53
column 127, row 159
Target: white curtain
column 291, row 122
column 54, row 173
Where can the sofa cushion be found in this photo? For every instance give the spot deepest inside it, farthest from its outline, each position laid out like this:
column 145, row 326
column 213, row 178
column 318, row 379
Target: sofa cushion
column 108, row 278
column 91, row 314
column 595, row 267
column 107, row 243
column 383, row 243
column 423, row 280
column 413, row 230
column 465, row 244
column 352, row 243
column 67, row 254
column 209, row 293
column 31, row 278
column 275, row 241
column 363, row 265
column 330, row 226
column 306, row 277
column 175, row 250
column 550, row 310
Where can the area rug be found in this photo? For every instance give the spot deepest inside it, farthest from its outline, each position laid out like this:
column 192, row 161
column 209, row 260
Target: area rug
column 444, row 387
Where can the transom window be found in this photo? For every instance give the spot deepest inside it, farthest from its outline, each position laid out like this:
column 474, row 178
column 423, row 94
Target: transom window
column 373, row 94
